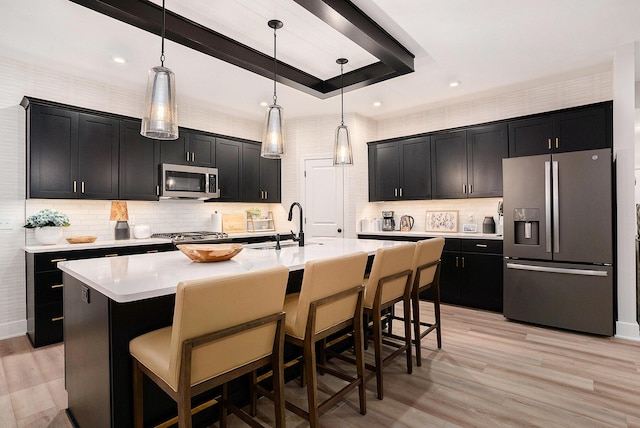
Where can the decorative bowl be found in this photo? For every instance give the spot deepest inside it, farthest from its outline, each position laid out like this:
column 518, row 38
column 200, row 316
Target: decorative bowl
column 81, row 239
column 210, row 252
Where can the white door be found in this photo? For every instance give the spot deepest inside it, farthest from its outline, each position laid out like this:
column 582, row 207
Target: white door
column 324, row 199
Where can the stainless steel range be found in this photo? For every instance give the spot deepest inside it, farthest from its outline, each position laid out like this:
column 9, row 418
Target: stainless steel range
column 194, row 237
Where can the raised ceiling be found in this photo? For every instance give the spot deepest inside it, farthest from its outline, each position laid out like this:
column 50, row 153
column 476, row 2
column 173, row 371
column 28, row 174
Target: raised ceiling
column 489, row 45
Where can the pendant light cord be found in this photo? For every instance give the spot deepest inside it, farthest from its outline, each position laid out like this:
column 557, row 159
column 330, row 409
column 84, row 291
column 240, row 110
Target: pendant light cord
column 163, row 25
column 275, row 67
column 342, row 94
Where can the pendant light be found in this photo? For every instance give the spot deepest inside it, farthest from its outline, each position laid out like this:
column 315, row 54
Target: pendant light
column 342, row 152
column 273, row 136
column 160, row 118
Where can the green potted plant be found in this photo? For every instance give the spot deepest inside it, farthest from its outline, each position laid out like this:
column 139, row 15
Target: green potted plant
column 48, row 225
column 254, row 213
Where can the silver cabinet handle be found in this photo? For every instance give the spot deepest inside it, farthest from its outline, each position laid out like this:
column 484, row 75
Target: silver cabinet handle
column 157, row 190
column 395, row 191
column 463, row 262
column 481, row 245
column 187, row 153
column 401, row 192
column 266, row 194
column 470, row 188
column 586, row 272
column 193, row 156
column 556, row 142
column 456, row 261
column 82, row 187
column 75, row 186
column 549, row 141
column 57, row 319
column 547, row 205
column 57, row 286
column 58, row 260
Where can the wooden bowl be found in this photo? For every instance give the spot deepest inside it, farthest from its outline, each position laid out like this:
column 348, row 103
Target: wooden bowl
column 81, row 239
column 210, row 252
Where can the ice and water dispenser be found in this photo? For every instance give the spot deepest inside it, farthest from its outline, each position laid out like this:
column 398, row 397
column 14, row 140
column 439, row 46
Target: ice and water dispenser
column 526, row 226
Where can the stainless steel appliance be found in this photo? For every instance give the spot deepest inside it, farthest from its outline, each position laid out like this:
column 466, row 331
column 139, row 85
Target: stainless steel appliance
column 202, row 237
column 188, row 182
column 558, row 240
column 406, row 223
column 388, row 222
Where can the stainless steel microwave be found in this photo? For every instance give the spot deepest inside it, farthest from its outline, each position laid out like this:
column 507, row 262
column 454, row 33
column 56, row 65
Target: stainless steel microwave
column 188, row 182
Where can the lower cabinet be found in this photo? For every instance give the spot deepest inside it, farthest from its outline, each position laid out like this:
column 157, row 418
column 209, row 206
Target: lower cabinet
column 45, row 287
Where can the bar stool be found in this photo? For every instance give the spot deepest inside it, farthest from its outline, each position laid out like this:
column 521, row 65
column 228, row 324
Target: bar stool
column 426, row 274
column 389, row 283
column 223, row 327
column 329, row 301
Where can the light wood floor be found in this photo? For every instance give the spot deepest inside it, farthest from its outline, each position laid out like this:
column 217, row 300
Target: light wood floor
column 490, row 372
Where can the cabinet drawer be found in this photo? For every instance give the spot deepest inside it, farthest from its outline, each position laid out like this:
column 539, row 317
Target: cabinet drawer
column 482, row 246
column 452, row 244
column 48, row 287
column 49, row 325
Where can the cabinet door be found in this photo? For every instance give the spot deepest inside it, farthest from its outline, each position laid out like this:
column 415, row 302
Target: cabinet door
column 139, row 159
column 229, row 164
column 449, row 165
column 175, row 151
column 583, row 129
column 481, row 285
column 384, row 175
column 202, row 149
column 528, row 137
column 52, row 152
column 98, row 141
column 486, row 147
column 450, row 277
column 415, row 168
column 251, row 190
column 270, row 179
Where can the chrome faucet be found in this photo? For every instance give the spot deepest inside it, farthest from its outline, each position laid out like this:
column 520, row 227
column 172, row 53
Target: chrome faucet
column 300, row 238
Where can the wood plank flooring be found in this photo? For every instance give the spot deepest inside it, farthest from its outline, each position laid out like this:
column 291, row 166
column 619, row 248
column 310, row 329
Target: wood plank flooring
column 490, row 372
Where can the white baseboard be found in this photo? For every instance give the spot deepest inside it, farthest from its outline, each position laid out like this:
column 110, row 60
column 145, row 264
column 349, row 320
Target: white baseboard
column 13, row 329
column 628, row 330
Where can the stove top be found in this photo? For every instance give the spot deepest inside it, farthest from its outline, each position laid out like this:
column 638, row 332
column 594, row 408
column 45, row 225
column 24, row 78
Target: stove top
column 190, row 237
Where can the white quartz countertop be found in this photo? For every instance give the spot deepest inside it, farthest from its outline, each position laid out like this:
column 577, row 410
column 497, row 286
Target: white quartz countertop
column 136, row 277
column 464, row 235
column 106, row 243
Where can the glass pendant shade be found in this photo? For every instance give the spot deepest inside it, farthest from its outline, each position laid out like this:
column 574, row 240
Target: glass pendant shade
column 273, row 135
column 160, row 118
column 342, row 153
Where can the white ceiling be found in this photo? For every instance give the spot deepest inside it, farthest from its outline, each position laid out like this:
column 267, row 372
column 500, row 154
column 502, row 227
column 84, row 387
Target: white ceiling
column 486, row 44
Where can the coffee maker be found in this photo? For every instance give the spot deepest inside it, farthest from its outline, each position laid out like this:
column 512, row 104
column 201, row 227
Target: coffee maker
column 388, row 223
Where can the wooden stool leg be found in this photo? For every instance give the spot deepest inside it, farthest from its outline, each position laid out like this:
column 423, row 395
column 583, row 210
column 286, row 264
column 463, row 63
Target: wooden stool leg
column 278, row 391
column 358, row 344
column 184, row 409
column 138, row 416
column 416, row 325
column 436, row 304
column 253, row 399
column 407, row 331
column 312, row 382
column 377, row 346
column 223, row 407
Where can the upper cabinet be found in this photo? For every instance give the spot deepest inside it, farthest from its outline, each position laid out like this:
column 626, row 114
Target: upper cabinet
column 71, row 154
column 260, row 176
column 139, row 159
column 229, row 164
column 190, row 148
column 583, row 128
column 468, row 164
column 400, row 170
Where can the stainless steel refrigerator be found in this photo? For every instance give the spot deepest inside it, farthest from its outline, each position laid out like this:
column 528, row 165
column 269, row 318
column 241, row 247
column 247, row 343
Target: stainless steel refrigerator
column 558, row 240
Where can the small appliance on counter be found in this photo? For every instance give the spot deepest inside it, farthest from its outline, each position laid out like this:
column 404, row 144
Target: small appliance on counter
column 406, row 223
column 141, row 231
column 388, row 222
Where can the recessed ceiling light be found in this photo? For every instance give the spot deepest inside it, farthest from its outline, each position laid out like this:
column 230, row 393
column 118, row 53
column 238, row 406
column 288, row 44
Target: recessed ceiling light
column 119, row 59
column 454, row 83
column 264, row 104
column 377, row 103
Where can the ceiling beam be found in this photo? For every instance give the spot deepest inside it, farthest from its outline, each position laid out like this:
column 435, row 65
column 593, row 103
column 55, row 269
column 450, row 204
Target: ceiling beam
column 342, row 15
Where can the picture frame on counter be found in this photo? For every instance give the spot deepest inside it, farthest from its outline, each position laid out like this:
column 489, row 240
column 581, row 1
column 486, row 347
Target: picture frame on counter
column 470, row 227
column 442, row 221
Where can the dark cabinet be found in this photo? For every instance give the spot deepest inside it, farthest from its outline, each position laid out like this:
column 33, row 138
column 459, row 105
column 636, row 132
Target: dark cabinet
column 45, row 287
column 468, row 164
column 229, row 163
column 582, row 128
column 70, row 154
column 260, row 176
column 139, row 159
column 190, row 148
column 471, row 273
column 400, row 170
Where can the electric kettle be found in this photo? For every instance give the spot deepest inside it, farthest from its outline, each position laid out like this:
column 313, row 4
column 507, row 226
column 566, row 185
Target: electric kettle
column 406, row 223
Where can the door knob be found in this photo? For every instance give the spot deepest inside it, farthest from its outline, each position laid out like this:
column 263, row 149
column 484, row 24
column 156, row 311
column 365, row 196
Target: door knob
column 339, row 230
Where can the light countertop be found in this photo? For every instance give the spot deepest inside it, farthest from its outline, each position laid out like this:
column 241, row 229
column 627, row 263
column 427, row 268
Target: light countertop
column 136, row 277
column 464, row 235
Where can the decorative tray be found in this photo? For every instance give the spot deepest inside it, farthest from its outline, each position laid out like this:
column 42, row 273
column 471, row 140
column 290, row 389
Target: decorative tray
column 81, row 239
column 210, row 252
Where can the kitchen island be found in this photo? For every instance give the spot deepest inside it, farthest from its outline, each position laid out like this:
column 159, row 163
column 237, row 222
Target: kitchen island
column 107, row 302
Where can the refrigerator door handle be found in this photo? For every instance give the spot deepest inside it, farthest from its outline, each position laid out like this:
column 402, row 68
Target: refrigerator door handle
column 556, row 209
column 547, row 205
column 586, row 272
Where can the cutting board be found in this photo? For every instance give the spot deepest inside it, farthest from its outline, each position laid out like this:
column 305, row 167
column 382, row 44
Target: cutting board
column 234, row 223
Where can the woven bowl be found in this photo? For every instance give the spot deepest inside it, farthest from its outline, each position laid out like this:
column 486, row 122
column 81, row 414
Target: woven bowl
column 210, row 252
